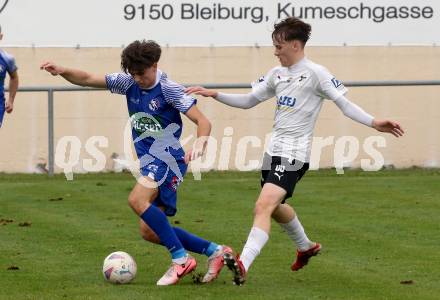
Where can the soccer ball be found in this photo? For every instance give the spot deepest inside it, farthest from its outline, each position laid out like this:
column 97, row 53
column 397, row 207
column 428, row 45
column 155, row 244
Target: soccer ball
column 119, row 267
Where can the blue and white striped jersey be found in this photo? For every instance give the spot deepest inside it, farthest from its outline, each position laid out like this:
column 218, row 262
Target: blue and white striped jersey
column 7, row 65
column 154, row 113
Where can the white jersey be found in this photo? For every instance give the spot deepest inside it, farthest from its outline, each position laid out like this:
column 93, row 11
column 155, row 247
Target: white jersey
column 300, row 90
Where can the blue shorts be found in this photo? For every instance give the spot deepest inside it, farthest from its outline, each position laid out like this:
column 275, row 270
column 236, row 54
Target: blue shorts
column 2, row 112
column 165, row 175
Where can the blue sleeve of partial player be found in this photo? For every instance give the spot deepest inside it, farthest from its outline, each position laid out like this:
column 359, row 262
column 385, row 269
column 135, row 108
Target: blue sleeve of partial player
column 174, row 95
column 119, row 83
column 11, row 67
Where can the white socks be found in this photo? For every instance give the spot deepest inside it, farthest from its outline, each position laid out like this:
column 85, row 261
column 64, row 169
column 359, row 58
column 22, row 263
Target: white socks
column 296, row 233
column 180, row 260
column 255, row 242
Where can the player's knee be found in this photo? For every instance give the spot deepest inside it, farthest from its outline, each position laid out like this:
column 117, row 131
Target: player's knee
column 138, row 202
column 265, row 205
column 133, row 200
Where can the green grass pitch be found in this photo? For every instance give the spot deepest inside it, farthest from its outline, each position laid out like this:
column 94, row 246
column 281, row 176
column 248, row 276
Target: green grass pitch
column 380, row 233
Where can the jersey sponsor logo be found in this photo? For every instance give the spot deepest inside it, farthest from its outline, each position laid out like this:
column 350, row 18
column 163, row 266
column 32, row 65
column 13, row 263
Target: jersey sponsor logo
column 286, row 101
column 146, row 125
column 336, row 82
column 3, row 5
column 154, row 105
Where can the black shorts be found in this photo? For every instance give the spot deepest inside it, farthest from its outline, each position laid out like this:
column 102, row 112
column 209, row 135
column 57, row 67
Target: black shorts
column 282, row 172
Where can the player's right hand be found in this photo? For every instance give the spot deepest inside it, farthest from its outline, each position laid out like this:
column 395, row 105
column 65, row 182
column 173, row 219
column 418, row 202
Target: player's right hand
column 52, row 68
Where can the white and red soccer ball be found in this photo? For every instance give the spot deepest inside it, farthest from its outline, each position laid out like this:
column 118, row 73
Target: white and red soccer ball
column 119, row 267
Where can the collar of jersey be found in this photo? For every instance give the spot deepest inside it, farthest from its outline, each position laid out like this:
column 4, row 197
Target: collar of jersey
column 294, row 67
column 158, row 78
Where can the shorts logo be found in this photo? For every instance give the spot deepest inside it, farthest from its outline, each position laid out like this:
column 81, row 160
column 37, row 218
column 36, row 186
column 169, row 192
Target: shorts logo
column 153, row 168
column 278, row 175
column 154, row 105
column 174, row 184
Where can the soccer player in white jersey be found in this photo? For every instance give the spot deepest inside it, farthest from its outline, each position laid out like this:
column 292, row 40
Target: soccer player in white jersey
column 300, row 86
column 155, row 104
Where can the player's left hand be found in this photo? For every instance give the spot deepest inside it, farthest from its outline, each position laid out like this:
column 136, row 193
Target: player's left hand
column 193, row 154
column 9, row 106
column 52, row 68
column 198, row 90
column 388, row 126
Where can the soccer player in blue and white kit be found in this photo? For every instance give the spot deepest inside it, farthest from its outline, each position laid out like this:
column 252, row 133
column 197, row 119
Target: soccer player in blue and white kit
column 300, row 86
column 7, row 66
column 155, row 104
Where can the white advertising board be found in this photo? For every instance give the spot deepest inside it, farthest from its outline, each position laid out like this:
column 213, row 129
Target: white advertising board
column 112, row 23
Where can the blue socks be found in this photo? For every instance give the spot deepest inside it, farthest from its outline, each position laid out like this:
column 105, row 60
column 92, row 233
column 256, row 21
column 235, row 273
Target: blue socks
column 176, row 239
column 158, row 222
column 194, row 243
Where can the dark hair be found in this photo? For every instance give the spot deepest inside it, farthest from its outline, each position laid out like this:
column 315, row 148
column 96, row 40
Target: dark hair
column 291, row 29
column 139, row 55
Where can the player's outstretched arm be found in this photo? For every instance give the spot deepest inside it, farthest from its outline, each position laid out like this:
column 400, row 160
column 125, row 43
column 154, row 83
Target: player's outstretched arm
column 388, row 126
column 203, row 132
column 357, row 114
column 235, row 100
column 13, row 87
column 75, row 76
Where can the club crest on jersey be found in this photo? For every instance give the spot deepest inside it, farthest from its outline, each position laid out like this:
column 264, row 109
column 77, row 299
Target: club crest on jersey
column 336, row 82
column 154, row 105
